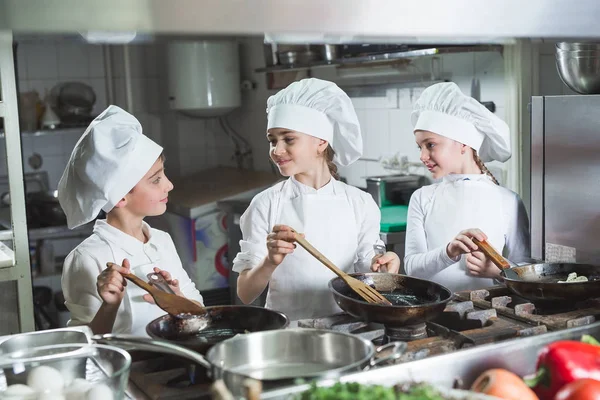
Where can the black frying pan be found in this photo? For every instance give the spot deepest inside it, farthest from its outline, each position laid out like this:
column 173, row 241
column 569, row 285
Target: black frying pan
column 200, row 333
column 414, row 300
column 539, row 282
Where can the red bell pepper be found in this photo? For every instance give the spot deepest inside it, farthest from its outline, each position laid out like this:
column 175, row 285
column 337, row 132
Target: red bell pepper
column 563, row 362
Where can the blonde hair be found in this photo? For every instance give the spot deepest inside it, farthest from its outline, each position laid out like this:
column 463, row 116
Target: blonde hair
column 482, row 167
column 329, row 154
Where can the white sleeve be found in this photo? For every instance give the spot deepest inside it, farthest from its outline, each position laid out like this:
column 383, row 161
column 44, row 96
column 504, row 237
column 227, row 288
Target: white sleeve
column 80, row 272
column 368, row 234
column 254, row 224
column 419, row 261
column 187, row 287
column 518, row 241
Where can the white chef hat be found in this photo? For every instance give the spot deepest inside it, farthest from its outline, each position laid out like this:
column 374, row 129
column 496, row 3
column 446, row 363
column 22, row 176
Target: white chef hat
column 321, row 109
column 445, row 110
column 109, row 159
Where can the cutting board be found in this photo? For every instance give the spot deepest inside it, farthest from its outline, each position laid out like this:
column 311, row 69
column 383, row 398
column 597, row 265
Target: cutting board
column 393, row 218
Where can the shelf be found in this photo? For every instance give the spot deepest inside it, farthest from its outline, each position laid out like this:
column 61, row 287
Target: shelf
column 54, row 232
column 383, row 57
column 57, row 131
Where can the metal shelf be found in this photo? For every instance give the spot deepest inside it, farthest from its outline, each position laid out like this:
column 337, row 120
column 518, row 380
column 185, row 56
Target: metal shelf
column 383, row 57
column 16, row 312
column 57, row 131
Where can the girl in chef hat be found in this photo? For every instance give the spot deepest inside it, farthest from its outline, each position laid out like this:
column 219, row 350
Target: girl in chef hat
column 312, row 128
column 456, row 134
column 115, row 168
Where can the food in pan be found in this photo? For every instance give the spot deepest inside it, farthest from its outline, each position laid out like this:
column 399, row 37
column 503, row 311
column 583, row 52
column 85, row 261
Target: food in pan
column 574, row 278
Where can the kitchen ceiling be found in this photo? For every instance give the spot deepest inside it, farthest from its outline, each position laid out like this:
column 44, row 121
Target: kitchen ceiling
column 332, row 20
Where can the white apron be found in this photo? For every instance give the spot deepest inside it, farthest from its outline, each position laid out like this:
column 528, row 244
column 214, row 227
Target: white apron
column 141, row 311
column 137, row 310
column 460, row 204
column 299, row 285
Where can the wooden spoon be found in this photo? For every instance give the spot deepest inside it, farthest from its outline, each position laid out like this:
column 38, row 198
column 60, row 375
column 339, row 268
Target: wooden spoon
column 171, row 303
column 365, row 291
column 495, row 257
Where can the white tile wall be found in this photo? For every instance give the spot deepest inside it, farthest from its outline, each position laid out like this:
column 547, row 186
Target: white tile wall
column 43, row 65
column 385, row 121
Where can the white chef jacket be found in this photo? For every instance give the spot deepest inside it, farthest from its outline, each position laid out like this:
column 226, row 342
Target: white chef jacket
column 341, row 221
column 109, row 244
column 438, row 212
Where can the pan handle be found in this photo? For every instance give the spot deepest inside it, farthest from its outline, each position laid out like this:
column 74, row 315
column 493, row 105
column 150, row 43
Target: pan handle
column 494, row 256
column 397, row 349
column 159, row 346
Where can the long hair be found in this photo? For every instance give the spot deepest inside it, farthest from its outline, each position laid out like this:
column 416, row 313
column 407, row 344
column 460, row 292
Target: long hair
column 329, row 154
column 483, row 168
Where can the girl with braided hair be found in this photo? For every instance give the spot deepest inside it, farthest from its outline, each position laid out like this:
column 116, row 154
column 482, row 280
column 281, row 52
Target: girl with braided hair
column 456, row 135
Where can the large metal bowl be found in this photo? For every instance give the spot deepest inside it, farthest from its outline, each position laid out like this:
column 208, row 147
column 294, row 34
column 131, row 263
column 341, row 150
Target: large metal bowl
column 103, row 368
column 580, row 73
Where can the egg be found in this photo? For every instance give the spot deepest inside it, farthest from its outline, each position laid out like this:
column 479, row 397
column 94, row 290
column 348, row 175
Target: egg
column 100, row 392
column 45, row 379
column 18, row 392
column 77, row 390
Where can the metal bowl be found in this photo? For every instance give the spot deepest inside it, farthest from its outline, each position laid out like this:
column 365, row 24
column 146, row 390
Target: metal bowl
column 580, row 73
column 103, row 368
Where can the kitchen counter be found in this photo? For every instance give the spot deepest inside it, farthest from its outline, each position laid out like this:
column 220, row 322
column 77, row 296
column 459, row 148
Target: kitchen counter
column 211, row 185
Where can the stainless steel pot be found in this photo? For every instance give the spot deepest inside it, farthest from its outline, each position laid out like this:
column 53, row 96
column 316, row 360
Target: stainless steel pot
column 276, row 357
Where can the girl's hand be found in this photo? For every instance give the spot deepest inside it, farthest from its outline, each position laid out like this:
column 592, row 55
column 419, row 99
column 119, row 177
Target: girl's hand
column 280, row 243
column 462, row 243
column 478, row 264
column 389, row 260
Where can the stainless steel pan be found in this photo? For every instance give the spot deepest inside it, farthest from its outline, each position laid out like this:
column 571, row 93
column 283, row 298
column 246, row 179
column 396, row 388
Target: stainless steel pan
column 276, row 358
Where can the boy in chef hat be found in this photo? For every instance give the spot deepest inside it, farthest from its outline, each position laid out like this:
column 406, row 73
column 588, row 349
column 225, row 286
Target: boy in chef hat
column 456, row 134
column 114, row 167
column 312, row 129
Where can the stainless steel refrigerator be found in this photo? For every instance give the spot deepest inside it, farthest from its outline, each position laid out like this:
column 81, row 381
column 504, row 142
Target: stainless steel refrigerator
column 565, row 178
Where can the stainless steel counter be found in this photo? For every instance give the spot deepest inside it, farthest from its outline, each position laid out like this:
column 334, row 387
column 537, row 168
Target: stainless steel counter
column 463, row 366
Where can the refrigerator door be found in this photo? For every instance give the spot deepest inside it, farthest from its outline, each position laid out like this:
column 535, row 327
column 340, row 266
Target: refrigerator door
column 571, row 178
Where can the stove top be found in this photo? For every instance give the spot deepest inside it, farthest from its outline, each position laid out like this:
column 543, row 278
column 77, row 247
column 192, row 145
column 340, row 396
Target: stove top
column 156, row 376
column 472, row 318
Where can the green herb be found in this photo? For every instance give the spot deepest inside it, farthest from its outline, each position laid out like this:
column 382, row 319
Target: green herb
column 349, row 391
column 357, row 391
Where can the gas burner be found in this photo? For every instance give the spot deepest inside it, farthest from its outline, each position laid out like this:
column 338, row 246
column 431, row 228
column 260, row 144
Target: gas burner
column 158, row 377
column 406, row 333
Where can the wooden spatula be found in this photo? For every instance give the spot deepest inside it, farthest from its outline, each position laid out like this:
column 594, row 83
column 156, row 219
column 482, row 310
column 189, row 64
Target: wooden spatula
column 171, row 303
column 495, row 257
column 365, row 291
